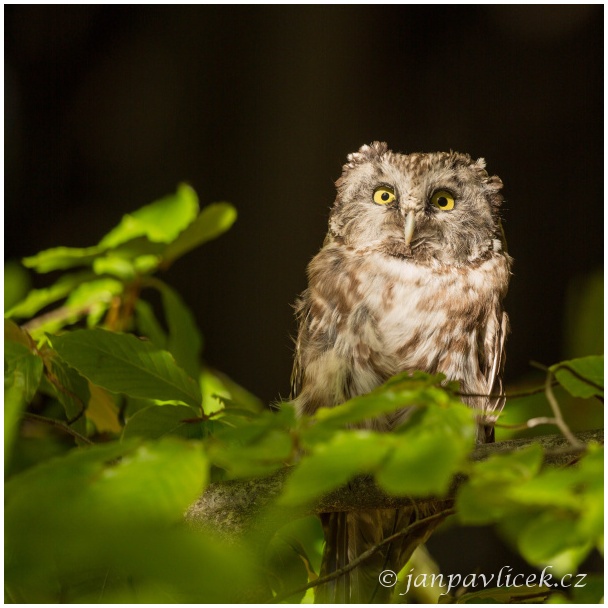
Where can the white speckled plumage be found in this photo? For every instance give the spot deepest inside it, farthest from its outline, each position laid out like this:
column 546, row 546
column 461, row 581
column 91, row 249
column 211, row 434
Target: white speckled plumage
column 382, row 298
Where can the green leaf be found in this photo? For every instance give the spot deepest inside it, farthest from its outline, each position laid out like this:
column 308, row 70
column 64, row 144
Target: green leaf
column 39, row 298
column 70, row 389
column 250, row 445
column 254, row 459
column 31, row 451
column 552, row 538
column 160, row 221
column 286, row 566
column 60, row 258
column 554, row 516
column 305, row 536
column 348, row 454
column 99, row 509
column 590, row 477
column 91, row 299
column 14, row 333
column 433, row 442
column 485, row 497
column 246, row 427
column 553, row 488
column 146, row 264
column 85, row 297
column 22, row 367
column 139, row 247
column 511, row 468
column 14, row 404
column 16, row 283
column 96, row 291
column 582, row 377
column 121, row 363
column 431, row 449
column 421, row 467
column 400, row 391
column 592, row 592
column 114, row 265
column 158, row 421
column 185, row 341
column 156, row 480
column 103, row 411
column 147, row 324
column 180, row 467
column 23, row 370
column 218, row 388
column 213, row 221
column 583, row 329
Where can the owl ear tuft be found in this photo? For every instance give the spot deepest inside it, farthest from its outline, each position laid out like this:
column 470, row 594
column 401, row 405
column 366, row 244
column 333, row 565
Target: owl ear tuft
column 479, row 166
column 494, row 185
column 366, row 153
column 480, row 163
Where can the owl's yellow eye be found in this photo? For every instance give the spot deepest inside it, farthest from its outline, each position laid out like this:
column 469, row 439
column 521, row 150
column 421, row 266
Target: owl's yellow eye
column 384, row 195
column 443, row 200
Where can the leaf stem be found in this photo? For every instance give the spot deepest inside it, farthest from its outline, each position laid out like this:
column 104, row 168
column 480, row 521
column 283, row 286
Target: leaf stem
column 58, row 424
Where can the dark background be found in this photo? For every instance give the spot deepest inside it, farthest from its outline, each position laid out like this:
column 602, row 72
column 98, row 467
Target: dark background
column 107, row 108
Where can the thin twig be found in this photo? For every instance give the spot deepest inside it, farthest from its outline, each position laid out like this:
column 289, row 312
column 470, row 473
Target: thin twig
column 58, row 424
column 541, row 366
column 363, row 557
column 530, row 596
column 112, row 315
column 529, row 424
column 519, row 395
column 59, row 314
column 559, row 421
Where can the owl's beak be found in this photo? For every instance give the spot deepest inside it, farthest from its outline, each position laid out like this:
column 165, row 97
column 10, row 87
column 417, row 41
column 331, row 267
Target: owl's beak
column 409, row 228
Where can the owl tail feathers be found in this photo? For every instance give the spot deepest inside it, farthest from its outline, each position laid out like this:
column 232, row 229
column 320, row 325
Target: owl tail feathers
column 348, row 536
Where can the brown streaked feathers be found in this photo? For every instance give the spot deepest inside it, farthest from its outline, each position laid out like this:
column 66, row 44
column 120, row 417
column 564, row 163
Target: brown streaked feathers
column 377, row 305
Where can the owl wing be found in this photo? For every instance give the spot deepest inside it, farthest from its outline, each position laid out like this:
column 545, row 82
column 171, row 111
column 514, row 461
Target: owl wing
column 302, row 313
column 495, row 364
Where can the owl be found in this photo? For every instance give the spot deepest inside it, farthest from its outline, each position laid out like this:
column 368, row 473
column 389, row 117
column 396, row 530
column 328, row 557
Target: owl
column 411, row 276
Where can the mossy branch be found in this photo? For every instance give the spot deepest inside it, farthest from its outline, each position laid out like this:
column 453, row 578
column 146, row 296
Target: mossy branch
column 228, row 508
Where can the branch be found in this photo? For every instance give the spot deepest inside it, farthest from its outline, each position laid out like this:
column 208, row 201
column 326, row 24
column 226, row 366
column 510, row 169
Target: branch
column 229, row 507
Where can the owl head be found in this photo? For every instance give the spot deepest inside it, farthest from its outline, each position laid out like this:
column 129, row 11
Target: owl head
column 439, row 207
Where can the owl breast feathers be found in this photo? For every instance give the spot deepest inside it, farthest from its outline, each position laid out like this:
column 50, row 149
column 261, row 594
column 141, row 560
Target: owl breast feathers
column 411, row 276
